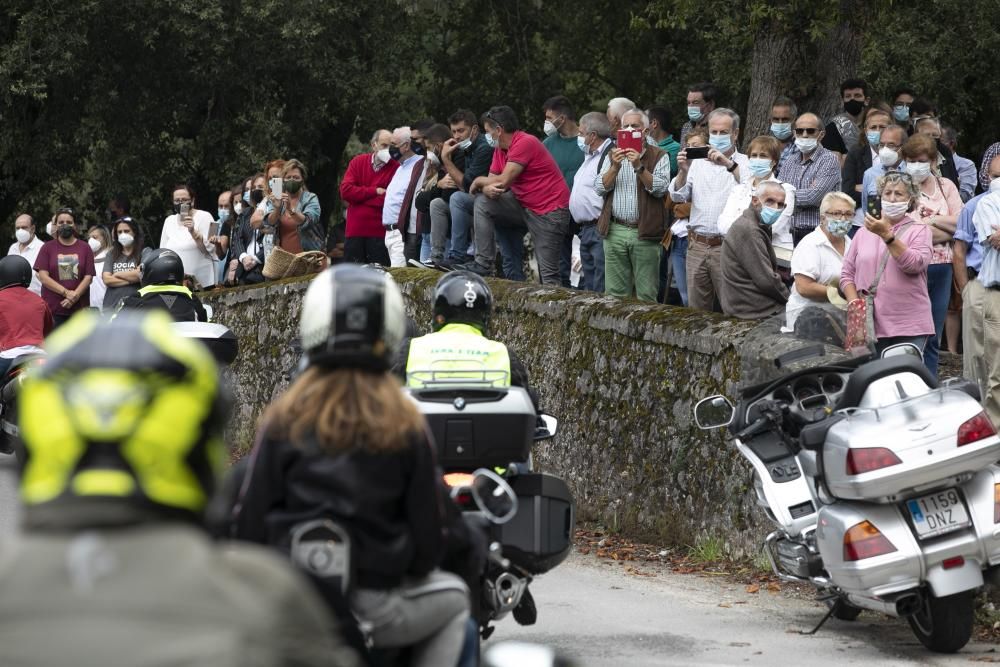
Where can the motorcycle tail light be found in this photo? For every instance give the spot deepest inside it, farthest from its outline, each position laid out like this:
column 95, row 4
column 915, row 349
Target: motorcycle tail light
column 952, row 563
column 870, row 458
column 996, row 503
column 978, row 428
column 863, row 540
column 458, row 479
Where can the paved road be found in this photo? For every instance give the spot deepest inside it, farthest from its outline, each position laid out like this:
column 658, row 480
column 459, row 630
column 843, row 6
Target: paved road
column 9, row 508
column 601, row 615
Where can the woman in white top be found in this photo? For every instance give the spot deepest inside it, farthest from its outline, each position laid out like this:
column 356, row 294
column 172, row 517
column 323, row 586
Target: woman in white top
column 187, row 236
column 764, row 153
column 100, row 243
column 818, row 258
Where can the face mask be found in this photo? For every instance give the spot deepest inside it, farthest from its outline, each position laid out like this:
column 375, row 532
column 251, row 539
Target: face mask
column 246, row 196
column 806, row 144
column 491, row 141
column 417, row 148
column 901, row 112
column 464, row 144
column 582, row 143
column 383, row 156
column 292, row 186
column 894, row 210
column 395, row 153
column 549, row 128
column 50, row 229
column 760, row 166
column 919, row 171
column 651, row 141
column 238, row 208
column 720, row 142
column 854, row 107
column 126, row 239
column 995, row 185
column 769, row 215
column 177, row 209
column 887, row 156
column 256, row 196
column 838, row 227
column 66, row 231
column 433, row 158
column 873, row 137
column 223, row 214
column 94, row 244
column 22, row 235
column 781, row 130
column 694, row 113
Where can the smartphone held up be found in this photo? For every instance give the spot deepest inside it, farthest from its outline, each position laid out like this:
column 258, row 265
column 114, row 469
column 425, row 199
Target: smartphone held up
column 630, row 140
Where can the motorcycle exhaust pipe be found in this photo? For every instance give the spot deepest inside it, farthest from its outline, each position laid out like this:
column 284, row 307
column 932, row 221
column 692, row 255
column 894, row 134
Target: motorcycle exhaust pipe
column 908, row 605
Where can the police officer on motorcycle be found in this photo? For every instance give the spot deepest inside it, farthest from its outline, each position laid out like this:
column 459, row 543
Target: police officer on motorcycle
column 463, row 304
column 162, row 286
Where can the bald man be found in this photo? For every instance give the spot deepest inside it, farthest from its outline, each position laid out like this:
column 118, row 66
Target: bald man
column 813, row 170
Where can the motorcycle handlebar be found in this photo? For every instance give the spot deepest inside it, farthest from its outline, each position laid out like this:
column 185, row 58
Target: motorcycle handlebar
column 770, row 414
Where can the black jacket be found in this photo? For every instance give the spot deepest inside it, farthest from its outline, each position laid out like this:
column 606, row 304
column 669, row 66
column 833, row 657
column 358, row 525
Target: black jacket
column 859, row 160
column 182, row 308
column 390, row 503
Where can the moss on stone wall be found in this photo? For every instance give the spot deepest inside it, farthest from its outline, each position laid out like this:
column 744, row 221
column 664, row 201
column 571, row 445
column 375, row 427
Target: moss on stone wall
column 621, row 376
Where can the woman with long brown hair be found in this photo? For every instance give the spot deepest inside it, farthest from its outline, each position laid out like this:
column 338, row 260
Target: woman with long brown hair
column 345, row 444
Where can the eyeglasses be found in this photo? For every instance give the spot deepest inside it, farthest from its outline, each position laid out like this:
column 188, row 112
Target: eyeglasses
column 182, row 201
column 806, row 131
column 840, row 215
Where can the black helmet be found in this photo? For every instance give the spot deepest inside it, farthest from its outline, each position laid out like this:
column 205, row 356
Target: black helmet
column 352, row 316
column 462, row 297
column 124, row 410
column 161, row 267
column 14, row 270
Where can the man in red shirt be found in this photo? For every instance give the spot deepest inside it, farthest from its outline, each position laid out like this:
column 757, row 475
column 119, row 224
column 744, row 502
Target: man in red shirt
column 25, row 320
column 524, row 188
column 363, row 188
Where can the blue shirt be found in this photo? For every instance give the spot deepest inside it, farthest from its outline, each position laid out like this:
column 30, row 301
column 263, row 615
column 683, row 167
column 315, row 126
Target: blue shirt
column 869, row 182
column 966, row 231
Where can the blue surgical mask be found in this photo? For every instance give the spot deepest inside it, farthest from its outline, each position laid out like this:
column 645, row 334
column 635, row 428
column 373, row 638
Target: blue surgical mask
column 223, row 214
column 720, row 142
column 694, row 113
column 246, row 196
column 781, row 130
column 760, row 166
column 901, row 112
column 651, row 141
column 839, row 227
column 769, row 215
column 873, row 137
column 490, row 140
column 582, row 143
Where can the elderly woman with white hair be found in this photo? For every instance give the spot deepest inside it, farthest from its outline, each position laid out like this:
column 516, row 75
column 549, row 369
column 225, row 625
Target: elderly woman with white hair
column 617, row 107
column 817, row 260
column 750, row 287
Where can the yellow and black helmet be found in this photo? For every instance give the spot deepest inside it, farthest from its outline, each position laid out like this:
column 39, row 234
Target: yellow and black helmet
column 126, row 409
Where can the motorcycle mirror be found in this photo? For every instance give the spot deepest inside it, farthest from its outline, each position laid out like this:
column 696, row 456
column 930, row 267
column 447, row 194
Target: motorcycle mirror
column 493, row 496
column 714, row 412
column 902, row 350
column 547, row 431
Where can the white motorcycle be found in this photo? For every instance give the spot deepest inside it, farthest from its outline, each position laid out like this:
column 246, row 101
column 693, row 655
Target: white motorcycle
column 881, row 483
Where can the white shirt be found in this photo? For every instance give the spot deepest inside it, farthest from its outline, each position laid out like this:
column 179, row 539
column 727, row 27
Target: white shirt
column 585, row 204
column 707, row 188
column 176, row 237
column 31, row 254
column 97, row 286
column 395, row 193
column 816, row 258
column 739, row 201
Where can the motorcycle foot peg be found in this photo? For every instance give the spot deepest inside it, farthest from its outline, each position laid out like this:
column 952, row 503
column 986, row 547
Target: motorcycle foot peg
column 525, row 613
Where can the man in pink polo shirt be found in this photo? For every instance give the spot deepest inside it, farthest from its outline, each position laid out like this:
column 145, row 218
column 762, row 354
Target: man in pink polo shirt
column 524, row 188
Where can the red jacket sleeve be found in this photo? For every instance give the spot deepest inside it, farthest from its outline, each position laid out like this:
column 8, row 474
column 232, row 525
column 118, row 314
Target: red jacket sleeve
column 353, row 191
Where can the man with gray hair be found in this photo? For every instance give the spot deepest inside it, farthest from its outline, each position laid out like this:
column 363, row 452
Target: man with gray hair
column 399, row 214
column 751, row 288
column 616, row 107
column 363, row 188
column 706, row 184
column 27, row 245
column 584, row 203
column 633, row 183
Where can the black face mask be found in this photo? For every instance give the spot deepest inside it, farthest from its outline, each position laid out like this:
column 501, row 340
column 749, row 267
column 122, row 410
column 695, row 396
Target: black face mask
column 66, row 231
column 854, row 107
column 395, row 153
column 417, row 148
column 256, row 196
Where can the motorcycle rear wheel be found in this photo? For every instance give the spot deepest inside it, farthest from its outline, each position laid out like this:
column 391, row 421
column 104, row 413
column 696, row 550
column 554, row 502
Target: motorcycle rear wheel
column 944, row 625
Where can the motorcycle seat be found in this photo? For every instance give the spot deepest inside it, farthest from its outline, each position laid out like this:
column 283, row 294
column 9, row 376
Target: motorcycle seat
column 812, row 436
column 864, row 376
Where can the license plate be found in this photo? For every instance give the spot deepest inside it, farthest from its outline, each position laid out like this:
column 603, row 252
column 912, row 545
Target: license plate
column 938, row 513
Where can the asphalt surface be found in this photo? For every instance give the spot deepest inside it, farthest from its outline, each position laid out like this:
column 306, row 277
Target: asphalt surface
column 10, row 509
column 598, row 613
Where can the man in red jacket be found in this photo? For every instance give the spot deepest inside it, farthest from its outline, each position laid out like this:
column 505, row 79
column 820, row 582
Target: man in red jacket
column 363, row 188
column 25, row 320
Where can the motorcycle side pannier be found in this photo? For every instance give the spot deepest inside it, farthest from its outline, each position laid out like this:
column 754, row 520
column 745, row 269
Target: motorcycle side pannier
column 478, row 427
column 540, row 535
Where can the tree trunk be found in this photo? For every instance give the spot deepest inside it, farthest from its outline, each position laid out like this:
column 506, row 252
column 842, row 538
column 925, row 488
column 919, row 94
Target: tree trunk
column 771, row 52
column 326, row 179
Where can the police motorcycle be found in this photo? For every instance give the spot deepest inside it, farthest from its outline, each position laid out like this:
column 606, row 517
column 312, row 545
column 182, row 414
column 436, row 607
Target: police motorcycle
column 880, row 480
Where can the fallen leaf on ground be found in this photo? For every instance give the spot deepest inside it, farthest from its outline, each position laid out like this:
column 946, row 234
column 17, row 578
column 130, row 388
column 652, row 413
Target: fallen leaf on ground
column 753, row 588
column 725, row 605
column 774, row 587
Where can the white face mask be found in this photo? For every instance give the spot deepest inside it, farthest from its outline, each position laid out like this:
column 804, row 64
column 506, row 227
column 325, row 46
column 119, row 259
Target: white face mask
column 464, row 144
column 126, row 239
column 50, row 229
column 383, row 157
column 549, row 128
column 894, row 210
column 918, row 171
column 806, row 144
column 22, row 235
column 94, row 244
column 888, row 157
column 238, row 208
column 433, row 158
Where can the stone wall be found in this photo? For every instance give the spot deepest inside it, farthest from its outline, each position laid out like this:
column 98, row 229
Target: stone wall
column 622, row 377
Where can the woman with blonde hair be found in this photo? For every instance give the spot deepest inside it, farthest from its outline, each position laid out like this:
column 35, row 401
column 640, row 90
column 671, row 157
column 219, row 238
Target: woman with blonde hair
column 295, row 215
column 344, row 443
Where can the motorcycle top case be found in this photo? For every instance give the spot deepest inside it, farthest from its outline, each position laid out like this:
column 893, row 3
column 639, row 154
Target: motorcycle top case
column 920, row 432
column 478, row 427
column 540, row 535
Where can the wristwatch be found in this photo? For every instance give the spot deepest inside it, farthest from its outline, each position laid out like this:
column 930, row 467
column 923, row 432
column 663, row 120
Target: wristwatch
column 639, row 169
column 732, row 167
column 889, row 240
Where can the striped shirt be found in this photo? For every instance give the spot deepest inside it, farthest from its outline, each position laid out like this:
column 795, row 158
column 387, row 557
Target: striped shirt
column 625, row 205
column 813, row 179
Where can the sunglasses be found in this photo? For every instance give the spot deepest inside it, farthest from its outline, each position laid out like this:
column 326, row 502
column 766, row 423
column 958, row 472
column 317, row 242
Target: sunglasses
column 806, row 131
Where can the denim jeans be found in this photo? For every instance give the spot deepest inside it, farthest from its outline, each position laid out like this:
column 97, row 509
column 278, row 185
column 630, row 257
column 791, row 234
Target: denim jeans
column 425, row 247
column 461, row 206
column 592, row 258
column 511, row 242
column 678, row 257
column 939, row 289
